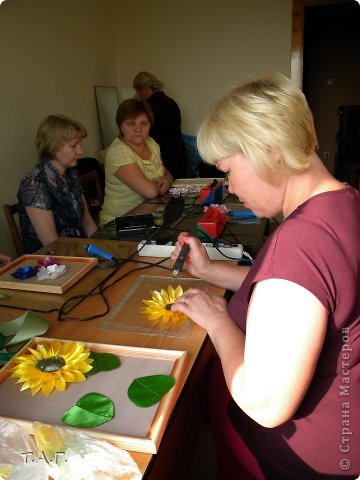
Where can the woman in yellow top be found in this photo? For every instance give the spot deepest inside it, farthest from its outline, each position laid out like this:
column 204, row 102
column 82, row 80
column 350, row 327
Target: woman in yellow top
column 134, row 170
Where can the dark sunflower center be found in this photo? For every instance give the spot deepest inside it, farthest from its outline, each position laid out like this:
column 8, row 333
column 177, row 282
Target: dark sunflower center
column 51, row 364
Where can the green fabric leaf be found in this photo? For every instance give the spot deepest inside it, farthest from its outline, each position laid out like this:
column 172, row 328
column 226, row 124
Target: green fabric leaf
column 5, row 296
column 27, row 326
column 2, row 340
column 5, row 357
column 103, row 362
column 91, row 410
column 147, row 391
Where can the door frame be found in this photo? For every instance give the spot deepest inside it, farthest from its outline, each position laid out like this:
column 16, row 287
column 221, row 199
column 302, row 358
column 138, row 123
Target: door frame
column 297, row 37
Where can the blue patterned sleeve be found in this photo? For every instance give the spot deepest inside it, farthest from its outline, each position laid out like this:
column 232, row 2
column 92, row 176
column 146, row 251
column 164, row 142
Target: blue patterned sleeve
column 34, row 193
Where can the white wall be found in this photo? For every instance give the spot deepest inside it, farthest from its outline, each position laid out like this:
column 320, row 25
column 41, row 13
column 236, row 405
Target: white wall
column 53, row 52
column 200, row 48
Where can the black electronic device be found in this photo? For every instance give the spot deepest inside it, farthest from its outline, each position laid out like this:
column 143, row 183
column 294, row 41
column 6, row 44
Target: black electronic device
column 173, row 210
column 130, row 224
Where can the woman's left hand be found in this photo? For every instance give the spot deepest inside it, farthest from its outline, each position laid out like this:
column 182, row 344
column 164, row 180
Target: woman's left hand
column 203, row 307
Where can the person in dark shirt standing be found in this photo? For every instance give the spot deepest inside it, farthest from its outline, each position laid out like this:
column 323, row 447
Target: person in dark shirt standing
column 166, row 130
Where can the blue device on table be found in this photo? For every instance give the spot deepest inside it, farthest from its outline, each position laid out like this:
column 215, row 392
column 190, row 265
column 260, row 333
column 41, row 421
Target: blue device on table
column 98, row 252
column 243, row 214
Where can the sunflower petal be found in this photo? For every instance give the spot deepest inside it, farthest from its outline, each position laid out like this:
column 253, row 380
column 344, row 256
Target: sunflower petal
column 155, row 316
column 35, row 353
column 60, row 384
column 48, row 387
column 35, row 389
column 157, row 296
column 165, row 298
column 178, row 292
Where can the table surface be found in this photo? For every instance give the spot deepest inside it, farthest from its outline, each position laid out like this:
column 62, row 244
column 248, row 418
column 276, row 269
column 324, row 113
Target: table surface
column 88, row 331
column 57, row 307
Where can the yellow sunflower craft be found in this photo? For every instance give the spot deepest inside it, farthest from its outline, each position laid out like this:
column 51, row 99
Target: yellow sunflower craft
column 4, row 471
column 156, row 308
column 52, row 366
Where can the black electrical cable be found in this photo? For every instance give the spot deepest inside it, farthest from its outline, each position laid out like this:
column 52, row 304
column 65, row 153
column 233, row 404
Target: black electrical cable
column 102, row 288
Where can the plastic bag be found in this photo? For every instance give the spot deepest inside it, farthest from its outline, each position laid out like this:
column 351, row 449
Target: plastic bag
column 61, row 454
column 15, row 448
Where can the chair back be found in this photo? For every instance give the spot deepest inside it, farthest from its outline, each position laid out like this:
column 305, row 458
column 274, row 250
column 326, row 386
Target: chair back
column 87, row 165
column 11, row 211
column 93, row 192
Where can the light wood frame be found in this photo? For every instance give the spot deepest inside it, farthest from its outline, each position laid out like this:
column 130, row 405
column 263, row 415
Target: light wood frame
column 77, row 268
column 147, row 444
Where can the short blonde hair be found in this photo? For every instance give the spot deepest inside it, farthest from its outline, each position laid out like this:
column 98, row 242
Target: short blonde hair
column 259, row 116
column 53, row 132
column 147, row 79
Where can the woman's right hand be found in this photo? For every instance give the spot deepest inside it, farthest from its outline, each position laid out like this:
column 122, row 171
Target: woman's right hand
column 197, row 262
column 4, row 259
column 163, row 184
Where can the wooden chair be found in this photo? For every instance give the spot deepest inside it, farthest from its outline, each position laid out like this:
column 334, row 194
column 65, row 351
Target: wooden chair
column 93, row 192
column 10, row 212
column 88, row 164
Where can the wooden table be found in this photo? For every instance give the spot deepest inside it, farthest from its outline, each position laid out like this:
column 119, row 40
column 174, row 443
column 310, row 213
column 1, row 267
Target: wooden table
column 190, row 409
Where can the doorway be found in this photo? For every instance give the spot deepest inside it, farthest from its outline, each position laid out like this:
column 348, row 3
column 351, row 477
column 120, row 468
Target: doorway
column 326, row 46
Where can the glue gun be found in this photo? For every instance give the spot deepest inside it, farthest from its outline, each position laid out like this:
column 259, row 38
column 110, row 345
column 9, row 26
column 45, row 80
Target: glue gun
column 100, row 253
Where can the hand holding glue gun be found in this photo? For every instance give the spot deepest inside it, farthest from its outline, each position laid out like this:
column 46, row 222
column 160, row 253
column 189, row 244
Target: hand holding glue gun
column 201, row 305
column 191, row 253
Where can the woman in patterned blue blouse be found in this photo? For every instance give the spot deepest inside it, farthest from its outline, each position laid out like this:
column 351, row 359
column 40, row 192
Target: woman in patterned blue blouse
column 51, row 199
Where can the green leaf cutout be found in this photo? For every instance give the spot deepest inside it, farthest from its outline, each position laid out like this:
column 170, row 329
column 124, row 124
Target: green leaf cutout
column 103, row 362
column 147, row 391
column 5, row 296
column 5, row 357
column 91, row 410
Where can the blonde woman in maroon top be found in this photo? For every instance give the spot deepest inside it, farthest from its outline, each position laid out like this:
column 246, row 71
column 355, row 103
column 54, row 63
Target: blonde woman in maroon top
column 284, row 399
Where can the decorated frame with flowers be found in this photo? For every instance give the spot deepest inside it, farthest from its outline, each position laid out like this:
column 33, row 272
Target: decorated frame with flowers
column 132, row 428
column 76, row 268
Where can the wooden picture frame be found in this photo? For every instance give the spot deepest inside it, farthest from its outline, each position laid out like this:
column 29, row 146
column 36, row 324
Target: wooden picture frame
column 137, row 429
column 76, row 267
